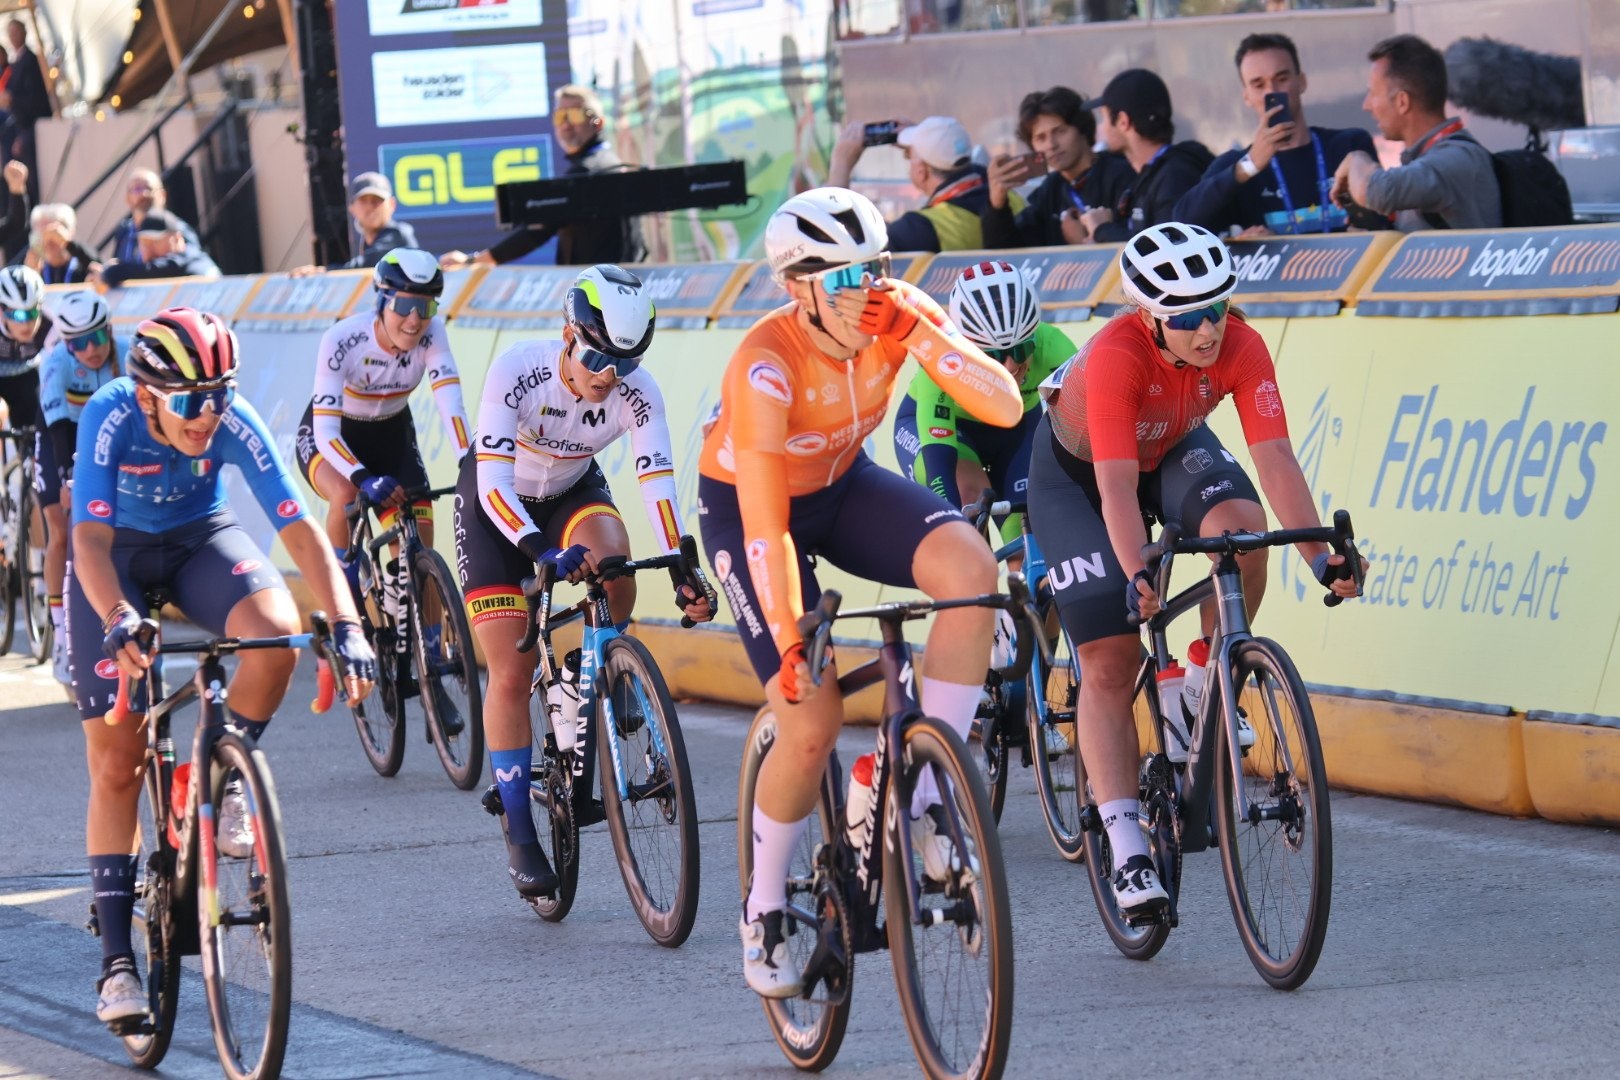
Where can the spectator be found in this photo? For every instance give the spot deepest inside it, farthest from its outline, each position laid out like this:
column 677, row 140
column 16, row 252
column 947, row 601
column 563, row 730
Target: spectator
column 1062, row 130
column 1136, row 123
column 52, row 251
column 143, row 194
column 1445, row 179
column 14, row 222
column 27, row 99
column 581, row 129
column 954, row 189
column 372, row 205
column 1282, row 181
column 164, row 254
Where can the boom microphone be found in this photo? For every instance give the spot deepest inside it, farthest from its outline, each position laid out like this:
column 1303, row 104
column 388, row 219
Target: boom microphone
column 1508, row 82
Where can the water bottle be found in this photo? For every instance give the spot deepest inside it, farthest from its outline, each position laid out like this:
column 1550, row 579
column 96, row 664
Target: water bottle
column 179, row 795
column 394, row 602
column 562, row 702
column 1192, row 692
column 858, row 801
column 1176, row 736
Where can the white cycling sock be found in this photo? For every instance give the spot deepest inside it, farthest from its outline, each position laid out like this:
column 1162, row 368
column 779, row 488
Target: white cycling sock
column 774, row 844
column 1122, row 819
column 955, row 704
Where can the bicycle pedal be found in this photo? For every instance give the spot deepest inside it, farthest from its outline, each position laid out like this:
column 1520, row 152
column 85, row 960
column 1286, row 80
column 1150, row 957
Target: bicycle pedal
column 1147, row 915
column 132, row 1025
column 491, row 801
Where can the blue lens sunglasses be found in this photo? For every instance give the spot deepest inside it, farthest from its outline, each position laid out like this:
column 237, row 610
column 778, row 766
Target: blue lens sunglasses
column 1192, row 320
column 86, row 342
column 853, row 275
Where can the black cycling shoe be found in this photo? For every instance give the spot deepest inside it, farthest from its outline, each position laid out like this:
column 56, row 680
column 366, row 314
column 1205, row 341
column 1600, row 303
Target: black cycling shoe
column 449, row 716
column 530, row 870
column 628, row 718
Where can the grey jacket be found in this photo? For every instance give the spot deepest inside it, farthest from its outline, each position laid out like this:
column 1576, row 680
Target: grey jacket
column 1452, row 177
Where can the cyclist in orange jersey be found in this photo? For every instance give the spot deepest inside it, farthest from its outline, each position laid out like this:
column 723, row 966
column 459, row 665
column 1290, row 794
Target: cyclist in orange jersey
column 784, row 478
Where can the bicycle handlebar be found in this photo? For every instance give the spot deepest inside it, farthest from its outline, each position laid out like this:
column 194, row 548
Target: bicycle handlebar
column 361, row 504
column 987, row 506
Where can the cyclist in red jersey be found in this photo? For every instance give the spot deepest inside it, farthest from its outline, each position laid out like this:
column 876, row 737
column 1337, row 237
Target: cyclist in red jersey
column 784, row 477
column 1124, row 434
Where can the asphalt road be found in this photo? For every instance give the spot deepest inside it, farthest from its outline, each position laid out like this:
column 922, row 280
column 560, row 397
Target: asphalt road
column 1461, row 945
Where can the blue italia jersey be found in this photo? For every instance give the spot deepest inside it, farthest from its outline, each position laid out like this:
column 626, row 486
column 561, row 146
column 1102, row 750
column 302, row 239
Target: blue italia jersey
column 65, row 384
column 126, row 478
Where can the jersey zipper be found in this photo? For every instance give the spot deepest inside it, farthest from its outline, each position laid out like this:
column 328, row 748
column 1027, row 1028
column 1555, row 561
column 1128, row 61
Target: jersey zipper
column 854, row 417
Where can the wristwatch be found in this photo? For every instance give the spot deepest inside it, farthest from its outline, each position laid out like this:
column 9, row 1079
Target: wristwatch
column 1246, row 168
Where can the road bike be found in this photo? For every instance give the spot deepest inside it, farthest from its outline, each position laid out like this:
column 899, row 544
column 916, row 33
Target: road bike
column 22, row 548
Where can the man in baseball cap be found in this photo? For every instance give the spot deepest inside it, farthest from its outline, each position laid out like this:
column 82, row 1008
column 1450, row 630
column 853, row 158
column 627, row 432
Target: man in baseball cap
column 372, row 206
column 164, row 253
column 1137, row 123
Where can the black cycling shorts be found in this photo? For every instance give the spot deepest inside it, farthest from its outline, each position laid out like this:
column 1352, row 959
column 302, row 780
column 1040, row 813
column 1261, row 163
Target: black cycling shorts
column 385, row 447
column 205, row 566
column 21, row 395
column 1002, row 452
column 1065, row 512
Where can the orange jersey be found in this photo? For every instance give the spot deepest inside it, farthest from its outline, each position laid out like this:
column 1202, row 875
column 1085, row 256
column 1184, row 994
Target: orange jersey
column 793, row 419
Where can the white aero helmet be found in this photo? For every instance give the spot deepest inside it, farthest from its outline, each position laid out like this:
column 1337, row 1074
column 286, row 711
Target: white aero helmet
column 610, row 311
column 20, row 288
column 81, row 313
column 824, row 227
column 1172, row 268
column 995, row 305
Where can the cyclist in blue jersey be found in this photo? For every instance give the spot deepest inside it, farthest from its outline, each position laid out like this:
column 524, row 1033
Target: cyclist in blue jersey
column 149, row 512
column 85, row 358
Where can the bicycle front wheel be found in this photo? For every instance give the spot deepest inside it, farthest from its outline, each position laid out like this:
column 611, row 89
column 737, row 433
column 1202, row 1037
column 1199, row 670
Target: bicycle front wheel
column 31, row 575
column 809, row 1028
column 952, row 950
column 380, row 721
column 447, row 671
column 243, row 913
column 152, row 930
column 1053, row 694
column 1276, row 833
column 654, row 826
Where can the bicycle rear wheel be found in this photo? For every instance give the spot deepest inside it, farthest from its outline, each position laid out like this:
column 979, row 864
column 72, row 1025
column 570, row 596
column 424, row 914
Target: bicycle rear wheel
column 1133, row 942
column 655, row 830
column 246, row 924
column 809, row 1028
column 152, row 930
column 9, row 579
column 1052, row 694
column 953, row 954
column 448, row 676
column 989, row 745
column 1278, row 859
column 31, row 575
column 380, row 722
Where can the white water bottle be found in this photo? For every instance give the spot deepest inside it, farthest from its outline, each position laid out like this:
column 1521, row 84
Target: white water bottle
column 1177, row 738
column 1192, row 693
column 859, row 800
column 562, row 702
column 394, row 601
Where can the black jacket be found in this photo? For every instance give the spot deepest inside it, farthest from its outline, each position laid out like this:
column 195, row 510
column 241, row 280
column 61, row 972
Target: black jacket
column 395, row 234
column 585, row 242
column 1219, row 201
column 188, row 263
column 1152, row 198
column 1039, row 223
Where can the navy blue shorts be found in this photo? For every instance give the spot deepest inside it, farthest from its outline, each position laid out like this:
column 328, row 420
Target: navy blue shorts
column 206, row 567
column 47, row 473
column 869, row 523
column 1003, row 453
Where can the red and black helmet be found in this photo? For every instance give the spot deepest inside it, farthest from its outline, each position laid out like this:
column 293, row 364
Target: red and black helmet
column 181, row 348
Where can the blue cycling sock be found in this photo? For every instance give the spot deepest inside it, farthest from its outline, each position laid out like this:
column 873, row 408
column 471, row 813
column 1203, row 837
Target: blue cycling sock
column 351, row 570
column 254, row 728
column 512, row 778
column 433, row 638
column 112, row 888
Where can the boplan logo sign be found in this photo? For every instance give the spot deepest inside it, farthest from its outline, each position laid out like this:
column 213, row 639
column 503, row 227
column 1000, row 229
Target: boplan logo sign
column 459, row 176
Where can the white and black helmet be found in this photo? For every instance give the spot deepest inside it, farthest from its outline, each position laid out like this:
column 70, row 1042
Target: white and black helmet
column 410, row 270
column 824, row 227
column 20, row 288
column 1172, row 268
column 610, row 311
column 995, row 305
column 81, row 313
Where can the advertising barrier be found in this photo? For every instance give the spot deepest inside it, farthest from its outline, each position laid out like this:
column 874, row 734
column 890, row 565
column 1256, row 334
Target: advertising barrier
column 293, row 304
column 1072, row 281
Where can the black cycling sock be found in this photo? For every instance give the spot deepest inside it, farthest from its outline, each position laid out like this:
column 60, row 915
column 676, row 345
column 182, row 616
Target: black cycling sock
column 112, row 887
column 254, row 728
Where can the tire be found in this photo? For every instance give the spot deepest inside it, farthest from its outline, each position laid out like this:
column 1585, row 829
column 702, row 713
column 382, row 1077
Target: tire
column 988, row 745
column 9, row 579
column 808, row 1029
column 454, row 671
column 152, row 930
column 935, row 1007
column 1133, row 942
column 247, row 966
column 559, row 834
column 1282, row 928
column 655, row 838
column 1052, row 694
column 380, row 723
column 31, row 575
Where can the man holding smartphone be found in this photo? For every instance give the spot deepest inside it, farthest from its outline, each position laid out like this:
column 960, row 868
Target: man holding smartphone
column 1280, row 182
column 939, row 164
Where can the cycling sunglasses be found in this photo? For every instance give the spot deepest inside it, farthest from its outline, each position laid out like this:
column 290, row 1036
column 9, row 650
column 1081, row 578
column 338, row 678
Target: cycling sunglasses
column 853, row 275
column 597, row 362
column 22, row 314
column 405, row 305
column 1192, row 320
column 86, row 342
column 1018, row 354
column 190, row 404
column 573, row 115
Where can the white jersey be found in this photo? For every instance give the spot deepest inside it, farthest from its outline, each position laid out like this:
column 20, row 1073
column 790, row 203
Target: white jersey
column 358, row 378
column 535, row 438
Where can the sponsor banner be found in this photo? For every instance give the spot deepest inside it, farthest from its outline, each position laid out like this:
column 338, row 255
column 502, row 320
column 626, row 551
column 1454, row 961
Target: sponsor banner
column 304, row 303
column 460, row 85
column 458, row 176
column 759, row 293
column 442, row 16
column 702, row 8
column 133, row 302
column 1508, row 272
column 689, row 294
column 223, row 296
column 1072, row 281
column 519, row 297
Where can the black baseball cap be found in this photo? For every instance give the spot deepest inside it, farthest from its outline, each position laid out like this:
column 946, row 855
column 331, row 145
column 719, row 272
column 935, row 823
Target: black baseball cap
column 1136, row 92
column 160, row 222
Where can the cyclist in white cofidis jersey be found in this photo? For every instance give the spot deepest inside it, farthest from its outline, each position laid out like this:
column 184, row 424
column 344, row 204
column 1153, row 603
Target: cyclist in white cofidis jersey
column 535, row 494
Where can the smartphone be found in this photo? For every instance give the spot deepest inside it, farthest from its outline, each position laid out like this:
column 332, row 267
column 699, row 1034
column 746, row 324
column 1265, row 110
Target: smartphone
column 1275, row 99
column 883, row 133
column 1035, row 163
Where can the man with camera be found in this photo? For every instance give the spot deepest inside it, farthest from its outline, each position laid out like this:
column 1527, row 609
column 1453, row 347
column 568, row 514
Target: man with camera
column 1282, row 181
column 1061, row 130
column 939, row 153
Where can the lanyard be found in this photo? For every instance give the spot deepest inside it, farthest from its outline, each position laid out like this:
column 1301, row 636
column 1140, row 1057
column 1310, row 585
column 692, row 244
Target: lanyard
column 1323, row 186
column 53, row 276
column 1442, row 133
column 952, row 191
column 1074, row 191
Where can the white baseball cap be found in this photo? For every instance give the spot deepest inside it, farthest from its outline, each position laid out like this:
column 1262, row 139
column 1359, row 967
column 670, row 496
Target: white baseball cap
column 941, row 141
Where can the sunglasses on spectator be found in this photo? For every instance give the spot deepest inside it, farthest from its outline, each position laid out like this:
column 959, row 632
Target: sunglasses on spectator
column 856, row 275
column 1192, row 320
column 190, row 404
column 22, row 314
column 597, row 362
column 1018, row 354
column 404, row 305
column 574, row 114
column 85, row 342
